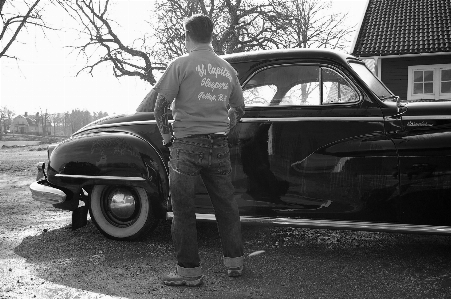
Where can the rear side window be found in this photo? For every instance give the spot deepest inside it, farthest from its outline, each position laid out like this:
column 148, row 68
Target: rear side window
column 336, row 89
column 298, row 85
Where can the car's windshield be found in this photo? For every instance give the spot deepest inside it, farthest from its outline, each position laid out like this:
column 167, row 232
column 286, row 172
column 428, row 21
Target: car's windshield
column 373, row 83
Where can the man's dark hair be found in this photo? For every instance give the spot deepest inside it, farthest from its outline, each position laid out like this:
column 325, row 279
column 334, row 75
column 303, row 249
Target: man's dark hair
column 200, row 28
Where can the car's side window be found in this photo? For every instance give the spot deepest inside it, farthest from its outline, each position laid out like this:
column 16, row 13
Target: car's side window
column 260, row 89
column 259, row 95
column 303, row 87
column 297, row 85
column 336, row 89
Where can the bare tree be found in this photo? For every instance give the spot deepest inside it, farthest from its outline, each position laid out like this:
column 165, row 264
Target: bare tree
column 97, row 30
column 244, row 25
column 310, row 24
column 240, row 25
column 98, row 115
column 20, row 15
column 52, row 121
column 67, row 124
column 77, row 118
column 6, row 118
column 58, row 120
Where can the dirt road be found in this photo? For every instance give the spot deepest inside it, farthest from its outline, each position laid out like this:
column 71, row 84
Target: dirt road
column 41, row 257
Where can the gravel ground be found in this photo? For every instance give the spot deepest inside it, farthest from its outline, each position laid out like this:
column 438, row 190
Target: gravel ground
column 42, row 257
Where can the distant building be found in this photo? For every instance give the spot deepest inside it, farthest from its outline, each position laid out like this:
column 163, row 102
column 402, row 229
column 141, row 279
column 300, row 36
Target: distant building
column 25, row 124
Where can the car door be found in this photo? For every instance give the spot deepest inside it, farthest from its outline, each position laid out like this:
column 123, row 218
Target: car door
column 311, row 144
column 424, row 146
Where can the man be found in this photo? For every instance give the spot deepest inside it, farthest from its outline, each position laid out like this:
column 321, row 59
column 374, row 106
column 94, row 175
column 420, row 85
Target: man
column 200, row 86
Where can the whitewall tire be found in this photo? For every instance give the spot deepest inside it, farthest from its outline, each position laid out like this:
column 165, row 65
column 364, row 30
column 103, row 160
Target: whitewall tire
column 122, row 212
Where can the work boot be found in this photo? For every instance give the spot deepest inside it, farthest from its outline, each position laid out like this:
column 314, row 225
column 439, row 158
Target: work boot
column 234, row 266
column 191, row 277
column 235, row 272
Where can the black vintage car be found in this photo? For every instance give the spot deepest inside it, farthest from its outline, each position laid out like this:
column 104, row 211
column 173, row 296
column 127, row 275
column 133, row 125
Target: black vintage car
column 323, row 144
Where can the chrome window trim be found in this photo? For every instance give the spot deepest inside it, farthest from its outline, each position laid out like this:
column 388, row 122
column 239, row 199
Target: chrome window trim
column 320, row 66
column 100, row 177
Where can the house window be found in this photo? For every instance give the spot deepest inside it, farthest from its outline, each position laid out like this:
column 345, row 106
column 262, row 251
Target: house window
column 429, row 82
column 445, row 81
column 423, row 82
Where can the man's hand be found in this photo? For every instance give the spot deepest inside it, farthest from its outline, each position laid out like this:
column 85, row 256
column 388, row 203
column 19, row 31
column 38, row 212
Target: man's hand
column 235, row 115
column 167, row 139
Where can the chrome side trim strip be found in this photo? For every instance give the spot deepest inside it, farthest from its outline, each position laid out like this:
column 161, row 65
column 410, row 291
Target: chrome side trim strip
column 100, row 177
column 426, row 117
column 300, row 118
column 272, row 119
column 47, row 194
column 336, row 224
column 325, row 118
column 283, row 119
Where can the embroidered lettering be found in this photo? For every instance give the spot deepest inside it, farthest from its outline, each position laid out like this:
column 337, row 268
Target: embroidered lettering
column 219, row 71
column 201, row 69
column 213, row 85
column 211, row 98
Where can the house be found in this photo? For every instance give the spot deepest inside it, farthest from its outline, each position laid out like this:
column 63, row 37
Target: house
column 409, row 42
column 25, row 124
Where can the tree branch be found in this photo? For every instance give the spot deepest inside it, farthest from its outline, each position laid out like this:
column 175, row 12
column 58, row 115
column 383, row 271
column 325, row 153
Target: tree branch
column 16, row 32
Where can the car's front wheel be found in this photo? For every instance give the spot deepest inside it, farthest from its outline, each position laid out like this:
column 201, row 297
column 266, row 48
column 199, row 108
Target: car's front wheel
column 122, row 212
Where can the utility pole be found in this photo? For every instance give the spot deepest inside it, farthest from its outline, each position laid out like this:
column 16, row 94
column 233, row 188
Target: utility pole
column 1, row 125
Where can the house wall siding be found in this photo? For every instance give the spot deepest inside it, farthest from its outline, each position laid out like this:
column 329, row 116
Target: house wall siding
column 394, row 71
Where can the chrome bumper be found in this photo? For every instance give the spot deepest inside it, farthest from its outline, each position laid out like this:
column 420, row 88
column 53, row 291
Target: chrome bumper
column 41, row 191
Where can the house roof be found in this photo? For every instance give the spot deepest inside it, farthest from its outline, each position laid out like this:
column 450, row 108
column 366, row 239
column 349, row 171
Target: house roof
column 20, row 119
column 30, row 121
column 397, row 27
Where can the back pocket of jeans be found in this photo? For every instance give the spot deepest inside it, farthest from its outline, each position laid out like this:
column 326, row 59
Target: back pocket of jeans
column 185, row 162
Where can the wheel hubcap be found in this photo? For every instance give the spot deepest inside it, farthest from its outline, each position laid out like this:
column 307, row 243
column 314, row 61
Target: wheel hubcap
column 121, row 206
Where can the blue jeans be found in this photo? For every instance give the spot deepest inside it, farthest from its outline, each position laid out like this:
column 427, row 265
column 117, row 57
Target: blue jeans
column 209, row 157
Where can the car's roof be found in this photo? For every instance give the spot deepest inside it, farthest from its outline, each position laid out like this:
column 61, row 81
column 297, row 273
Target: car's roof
column 287, row 54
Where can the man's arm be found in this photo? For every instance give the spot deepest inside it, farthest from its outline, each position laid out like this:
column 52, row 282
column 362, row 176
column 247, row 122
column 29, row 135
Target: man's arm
column 235, row 115
column 161, row 116
column 148, row 103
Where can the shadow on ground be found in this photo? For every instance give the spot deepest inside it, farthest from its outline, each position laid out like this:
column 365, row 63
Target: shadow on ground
column 289, row 263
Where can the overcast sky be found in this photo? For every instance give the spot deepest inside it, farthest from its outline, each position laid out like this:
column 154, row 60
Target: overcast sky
column 44, row 79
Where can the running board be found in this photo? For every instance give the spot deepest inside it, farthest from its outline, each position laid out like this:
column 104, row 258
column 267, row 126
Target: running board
column 336, row 224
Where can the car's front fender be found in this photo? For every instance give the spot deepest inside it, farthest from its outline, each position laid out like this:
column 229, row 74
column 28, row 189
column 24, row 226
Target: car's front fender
column 107, row 158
